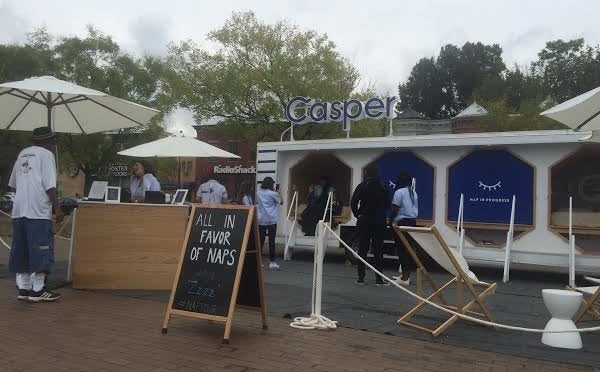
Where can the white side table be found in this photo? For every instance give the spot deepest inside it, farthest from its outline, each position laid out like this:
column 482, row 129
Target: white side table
column 562, row 305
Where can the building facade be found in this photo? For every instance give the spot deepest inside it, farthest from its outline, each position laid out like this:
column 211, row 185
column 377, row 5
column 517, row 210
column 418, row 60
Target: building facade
column 232, row 173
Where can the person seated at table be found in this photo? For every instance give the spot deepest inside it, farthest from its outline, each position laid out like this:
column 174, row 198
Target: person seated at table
column 336, row 205
column 143, row 180
column 316, row 204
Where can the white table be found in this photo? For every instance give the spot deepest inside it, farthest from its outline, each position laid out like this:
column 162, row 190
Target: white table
column 562, row 305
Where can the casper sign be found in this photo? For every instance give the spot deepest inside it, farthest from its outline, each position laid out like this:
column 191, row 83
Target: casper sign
column 301, row 110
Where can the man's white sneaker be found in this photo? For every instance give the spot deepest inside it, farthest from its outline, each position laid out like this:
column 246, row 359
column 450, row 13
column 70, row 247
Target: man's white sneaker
column 398, row 279
column 273, row 265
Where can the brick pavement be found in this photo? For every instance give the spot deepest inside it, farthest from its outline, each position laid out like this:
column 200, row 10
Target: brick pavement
column 90, row 331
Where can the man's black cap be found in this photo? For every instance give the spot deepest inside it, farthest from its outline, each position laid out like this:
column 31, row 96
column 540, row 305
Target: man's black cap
column 42, row 133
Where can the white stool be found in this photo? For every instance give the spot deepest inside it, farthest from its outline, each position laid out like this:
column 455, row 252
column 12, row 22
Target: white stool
column 562, row 305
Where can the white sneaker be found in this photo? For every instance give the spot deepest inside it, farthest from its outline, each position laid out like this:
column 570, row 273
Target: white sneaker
column 273, row 265
column 398, row 279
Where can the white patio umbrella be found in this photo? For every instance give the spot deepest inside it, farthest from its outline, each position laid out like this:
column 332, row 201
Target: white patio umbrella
column 178, row 146
column 580, row 113
column 66, row 107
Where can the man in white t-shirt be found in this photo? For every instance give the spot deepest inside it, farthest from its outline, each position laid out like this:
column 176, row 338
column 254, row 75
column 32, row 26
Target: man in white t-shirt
column 212, row 192
column 32, row 253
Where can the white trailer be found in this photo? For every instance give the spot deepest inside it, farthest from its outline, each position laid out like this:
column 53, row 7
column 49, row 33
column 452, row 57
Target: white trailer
column 542, row 169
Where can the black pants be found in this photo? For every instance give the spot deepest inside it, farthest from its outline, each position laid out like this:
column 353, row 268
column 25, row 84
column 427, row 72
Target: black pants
column 405, row 259
column 370, row 233
column 270, row 230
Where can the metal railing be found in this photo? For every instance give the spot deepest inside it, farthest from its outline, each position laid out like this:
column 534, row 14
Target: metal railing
column 292, row 225
column 291, row 233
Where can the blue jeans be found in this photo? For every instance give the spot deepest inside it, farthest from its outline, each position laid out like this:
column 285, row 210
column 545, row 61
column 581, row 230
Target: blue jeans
column 32, row 246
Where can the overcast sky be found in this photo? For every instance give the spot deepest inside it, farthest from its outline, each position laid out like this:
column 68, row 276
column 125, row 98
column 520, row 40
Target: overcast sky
column 383, row 39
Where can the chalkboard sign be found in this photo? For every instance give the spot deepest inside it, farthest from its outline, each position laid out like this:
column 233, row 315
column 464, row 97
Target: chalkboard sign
column 220, row 259
column 249, row 294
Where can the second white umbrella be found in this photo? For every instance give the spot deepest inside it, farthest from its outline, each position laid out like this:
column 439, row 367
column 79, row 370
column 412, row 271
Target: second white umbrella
column 177, row 146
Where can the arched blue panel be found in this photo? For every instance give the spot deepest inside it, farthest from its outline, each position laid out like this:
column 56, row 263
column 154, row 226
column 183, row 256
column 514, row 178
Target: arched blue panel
column 392, row 163
column 489, row 179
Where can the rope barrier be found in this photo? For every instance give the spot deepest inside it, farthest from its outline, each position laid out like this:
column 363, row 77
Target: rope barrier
column 462, row 316
column 315, row 321
column 4, row 243
column 57, row 235
column 1, row 239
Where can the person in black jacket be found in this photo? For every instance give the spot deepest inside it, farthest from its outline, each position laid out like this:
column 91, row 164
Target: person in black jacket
column 369, row 203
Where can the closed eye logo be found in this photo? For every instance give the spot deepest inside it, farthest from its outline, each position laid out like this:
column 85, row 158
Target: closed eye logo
column 490, row 187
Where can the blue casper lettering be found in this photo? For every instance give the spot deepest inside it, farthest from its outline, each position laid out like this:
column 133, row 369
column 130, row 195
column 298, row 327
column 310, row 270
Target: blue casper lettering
column 300, row 110
column 336, row 112
column 374, row 108
column 389, row 107
column 318, row 111
column 348, row 115
column 291, row 108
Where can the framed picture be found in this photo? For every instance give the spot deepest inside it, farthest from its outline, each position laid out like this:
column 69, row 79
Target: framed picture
column 112, row 194
column 179, row 196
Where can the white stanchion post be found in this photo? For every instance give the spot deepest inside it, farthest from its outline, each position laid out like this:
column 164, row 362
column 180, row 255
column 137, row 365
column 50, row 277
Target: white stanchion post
column 313, row 307
column 459, row 227
column 70, row 260
column 571, row 245
column 316, row 320
column 509, row 239
column 319, row 266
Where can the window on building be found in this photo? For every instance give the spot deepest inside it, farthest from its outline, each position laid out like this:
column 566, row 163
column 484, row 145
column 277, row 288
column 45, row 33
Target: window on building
column 186, row 168
column 216, row 144
column 233, row 147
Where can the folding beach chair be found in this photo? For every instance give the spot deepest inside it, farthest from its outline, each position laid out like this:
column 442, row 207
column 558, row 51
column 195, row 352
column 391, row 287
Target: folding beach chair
column 591, row 305
column 454, row 263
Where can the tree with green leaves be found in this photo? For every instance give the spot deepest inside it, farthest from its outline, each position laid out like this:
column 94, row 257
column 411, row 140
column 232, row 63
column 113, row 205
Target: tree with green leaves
column 568, row 68
column 94, row 61
column 256, row 69
column 440, row 87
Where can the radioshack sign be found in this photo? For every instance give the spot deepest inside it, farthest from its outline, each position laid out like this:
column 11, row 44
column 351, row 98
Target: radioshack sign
column 238, row 169
column 301, row 110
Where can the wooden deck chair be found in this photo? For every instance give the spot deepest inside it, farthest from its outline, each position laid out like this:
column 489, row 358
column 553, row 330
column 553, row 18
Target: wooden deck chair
column 591, row 305
column 454, row 263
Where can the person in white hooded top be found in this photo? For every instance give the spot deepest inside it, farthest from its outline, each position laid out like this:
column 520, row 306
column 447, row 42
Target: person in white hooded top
column 268, row 202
